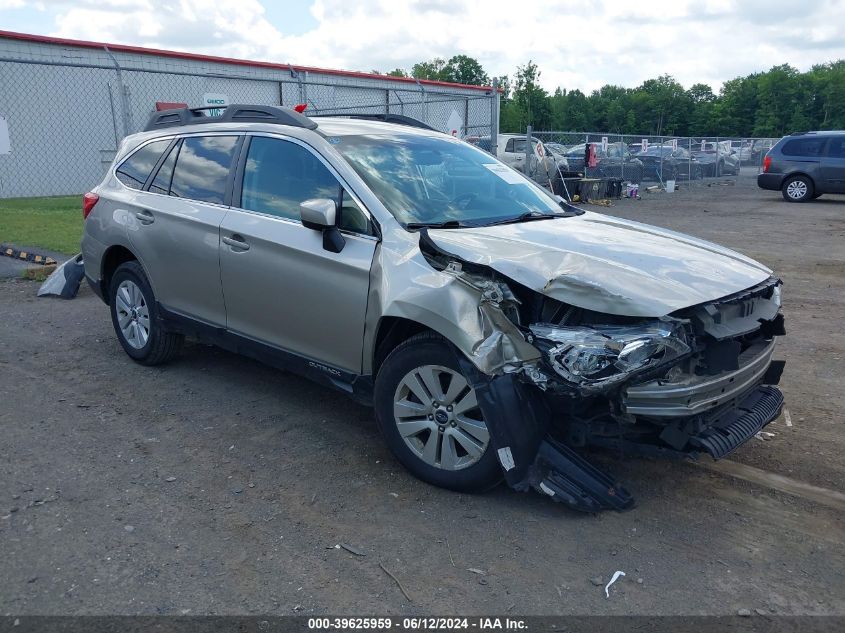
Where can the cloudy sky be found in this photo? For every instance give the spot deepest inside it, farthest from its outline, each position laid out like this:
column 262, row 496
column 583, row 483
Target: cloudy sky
column 577, row 44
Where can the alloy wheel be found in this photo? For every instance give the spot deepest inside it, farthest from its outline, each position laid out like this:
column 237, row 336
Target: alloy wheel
column 797, row 189
column 437, row 415
column 133, row 315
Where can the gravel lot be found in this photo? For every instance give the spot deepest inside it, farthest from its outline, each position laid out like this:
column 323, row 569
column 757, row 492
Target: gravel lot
column 215, row 485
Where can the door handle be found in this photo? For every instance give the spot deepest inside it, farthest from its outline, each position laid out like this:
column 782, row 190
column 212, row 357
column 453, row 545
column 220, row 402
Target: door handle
column 145, row 217
column 236, row 242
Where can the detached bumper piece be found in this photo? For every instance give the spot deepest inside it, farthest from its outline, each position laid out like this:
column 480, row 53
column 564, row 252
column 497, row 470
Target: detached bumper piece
column 739, row 425
column 519, row 422
column 568, row 478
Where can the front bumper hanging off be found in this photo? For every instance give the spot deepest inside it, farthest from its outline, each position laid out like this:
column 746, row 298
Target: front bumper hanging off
column 519, row 421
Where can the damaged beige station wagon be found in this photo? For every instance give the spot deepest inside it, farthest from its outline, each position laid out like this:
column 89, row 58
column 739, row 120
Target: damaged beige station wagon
column 495, row 329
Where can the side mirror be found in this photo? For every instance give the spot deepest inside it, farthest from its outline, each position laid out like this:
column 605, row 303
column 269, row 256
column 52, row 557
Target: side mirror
column 320, row 214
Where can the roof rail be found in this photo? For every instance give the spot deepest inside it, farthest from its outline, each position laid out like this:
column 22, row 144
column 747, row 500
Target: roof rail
column 399, row 119
column 237, row 113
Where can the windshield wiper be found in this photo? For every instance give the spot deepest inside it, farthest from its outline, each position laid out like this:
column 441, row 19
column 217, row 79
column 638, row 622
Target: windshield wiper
column 446, row 224
column 527, row 217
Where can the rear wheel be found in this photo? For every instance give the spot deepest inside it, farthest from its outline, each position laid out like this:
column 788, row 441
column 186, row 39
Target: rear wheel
column 430, row 418
column 135, row 317
column 797, row 189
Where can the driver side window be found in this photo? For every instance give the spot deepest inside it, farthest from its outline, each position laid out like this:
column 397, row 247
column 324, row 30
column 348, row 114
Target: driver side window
column 279, row 175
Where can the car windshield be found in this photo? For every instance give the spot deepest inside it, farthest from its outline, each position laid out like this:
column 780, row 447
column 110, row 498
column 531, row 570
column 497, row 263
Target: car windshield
column 425, row 180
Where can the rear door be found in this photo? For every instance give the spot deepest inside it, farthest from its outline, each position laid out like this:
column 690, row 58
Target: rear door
column 175, row 227
column 282, row 288
column 833, row 166
column 800, row 154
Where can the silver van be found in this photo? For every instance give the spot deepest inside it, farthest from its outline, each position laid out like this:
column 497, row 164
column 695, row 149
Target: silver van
column 495, row 329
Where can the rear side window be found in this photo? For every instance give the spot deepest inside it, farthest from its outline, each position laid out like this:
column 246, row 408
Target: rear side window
column 836, row 149
column 809, row 147
column 134, row 171
column 202, row 168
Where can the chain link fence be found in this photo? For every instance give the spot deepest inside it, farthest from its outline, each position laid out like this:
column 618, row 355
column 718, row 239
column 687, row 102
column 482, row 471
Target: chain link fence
column 655, row 160
column 67, row 108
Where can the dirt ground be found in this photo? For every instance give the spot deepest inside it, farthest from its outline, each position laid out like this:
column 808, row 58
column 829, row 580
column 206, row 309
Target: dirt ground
column 215, row 485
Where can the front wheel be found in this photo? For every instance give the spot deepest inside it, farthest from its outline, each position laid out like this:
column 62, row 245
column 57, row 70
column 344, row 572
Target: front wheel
column 430, row 418
column 797, row 189
column 135, row 317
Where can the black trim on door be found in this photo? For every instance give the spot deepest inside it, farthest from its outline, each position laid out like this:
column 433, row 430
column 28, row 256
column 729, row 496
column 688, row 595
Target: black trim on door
column 230, row 180
column 238, row 173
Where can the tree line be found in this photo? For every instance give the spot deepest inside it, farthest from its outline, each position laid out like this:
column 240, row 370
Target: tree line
column 764, row 104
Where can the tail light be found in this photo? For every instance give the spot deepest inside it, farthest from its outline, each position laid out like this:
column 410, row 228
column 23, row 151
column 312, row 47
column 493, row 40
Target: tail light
column 767, row 162
column 88, row 202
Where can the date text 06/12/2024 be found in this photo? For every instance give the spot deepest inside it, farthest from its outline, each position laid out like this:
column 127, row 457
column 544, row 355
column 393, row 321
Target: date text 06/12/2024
column 416, row 624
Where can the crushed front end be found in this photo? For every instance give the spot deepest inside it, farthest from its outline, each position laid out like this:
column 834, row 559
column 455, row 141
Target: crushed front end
column 701, row 380
column 698, row 381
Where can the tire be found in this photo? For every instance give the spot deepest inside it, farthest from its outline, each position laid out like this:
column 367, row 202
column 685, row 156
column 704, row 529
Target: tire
column 797, row 189
column 453, row 449
column 135, row 319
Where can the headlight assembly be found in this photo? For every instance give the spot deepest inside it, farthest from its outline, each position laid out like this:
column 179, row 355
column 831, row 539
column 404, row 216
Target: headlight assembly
column 602, row 355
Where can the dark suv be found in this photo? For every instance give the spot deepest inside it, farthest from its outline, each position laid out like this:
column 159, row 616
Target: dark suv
column 804, row 166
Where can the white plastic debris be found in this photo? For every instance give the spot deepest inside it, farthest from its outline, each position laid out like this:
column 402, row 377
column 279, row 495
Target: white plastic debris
column 787, row 417
column 64, row 281
column 616, row 576
column 506, row 458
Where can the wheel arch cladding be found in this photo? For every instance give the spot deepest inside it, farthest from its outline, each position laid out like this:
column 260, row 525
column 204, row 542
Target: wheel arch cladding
column 391, row 333
column 112, row 259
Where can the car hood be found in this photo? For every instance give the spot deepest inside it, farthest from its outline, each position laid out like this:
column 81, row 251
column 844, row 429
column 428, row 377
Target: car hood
column 606, row 264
